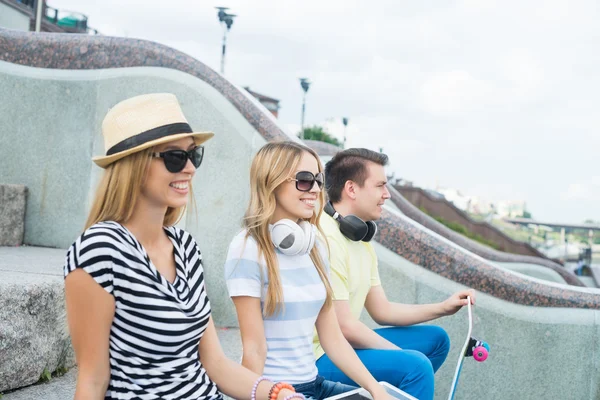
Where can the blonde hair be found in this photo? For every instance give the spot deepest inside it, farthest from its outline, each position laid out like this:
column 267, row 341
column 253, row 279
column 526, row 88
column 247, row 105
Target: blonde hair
column 273, row 165
column 120, row 188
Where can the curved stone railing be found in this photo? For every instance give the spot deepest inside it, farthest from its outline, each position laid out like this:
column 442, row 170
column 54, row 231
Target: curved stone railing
column 488, row 253
column 440, row 207
column 82, row 52
column 410, row 241
column 322, row 148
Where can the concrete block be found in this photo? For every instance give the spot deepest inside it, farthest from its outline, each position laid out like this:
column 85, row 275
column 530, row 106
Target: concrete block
column 13, row 200
column 33, row 329
column 64, row 387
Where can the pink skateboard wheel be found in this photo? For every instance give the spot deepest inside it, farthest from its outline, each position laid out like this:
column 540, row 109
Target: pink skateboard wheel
column 480, row 354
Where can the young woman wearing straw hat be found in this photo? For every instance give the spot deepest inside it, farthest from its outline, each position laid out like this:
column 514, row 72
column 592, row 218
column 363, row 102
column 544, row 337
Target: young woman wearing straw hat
column 276, row 272
column 137, row 308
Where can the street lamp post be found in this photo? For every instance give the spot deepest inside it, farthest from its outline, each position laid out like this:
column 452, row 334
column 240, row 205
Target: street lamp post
column 345, row 122
column 305, row 84
column 226, row 20
column 39, row 7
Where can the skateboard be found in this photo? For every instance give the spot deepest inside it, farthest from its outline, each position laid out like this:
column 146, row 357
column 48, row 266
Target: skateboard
column 477, row 349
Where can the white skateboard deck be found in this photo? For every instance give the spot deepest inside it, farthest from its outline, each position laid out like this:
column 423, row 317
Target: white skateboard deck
column 461, row 357
column 362, row 394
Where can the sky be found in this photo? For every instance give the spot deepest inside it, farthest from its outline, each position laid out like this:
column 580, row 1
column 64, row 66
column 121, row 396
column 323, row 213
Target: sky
column 497, row 99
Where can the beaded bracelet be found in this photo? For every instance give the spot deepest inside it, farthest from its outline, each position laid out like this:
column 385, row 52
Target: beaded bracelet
column 274, row 392
column 255, row 387
column 295, row 396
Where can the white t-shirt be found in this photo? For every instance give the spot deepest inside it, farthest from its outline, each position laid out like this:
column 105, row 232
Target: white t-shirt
column 289, row 332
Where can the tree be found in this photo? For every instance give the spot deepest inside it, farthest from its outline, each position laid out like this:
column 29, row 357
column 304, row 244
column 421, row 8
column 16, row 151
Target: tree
column 318, row 133
column 526, row 214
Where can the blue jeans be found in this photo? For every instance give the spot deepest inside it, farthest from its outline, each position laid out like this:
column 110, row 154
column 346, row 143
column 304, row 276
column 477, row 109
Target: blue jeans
column 424, row 350
column 320, row 389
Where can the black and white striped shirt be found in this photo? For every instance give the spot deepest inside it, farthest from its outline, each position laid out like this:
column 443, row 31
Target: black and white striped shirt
column 157, row 325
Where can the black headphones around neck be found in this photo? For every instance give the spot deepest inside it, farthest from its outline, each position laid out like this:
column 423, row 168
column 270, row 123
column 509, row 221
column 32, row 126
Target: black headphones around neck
column 351, row 226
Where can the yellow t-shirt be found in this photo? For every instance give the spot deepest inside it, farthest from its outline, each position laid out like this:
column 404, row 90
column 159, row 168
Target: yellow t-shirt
column 353, row 270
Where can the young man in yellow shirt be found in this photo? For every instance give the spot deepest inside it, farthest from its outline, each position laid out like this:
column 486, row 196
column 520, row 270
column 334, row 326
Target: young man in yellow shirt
column 403, row 354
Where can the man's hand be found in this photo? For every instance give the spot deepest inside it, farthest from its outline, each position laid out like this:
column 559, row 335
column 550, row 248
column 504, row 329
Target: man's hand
column 458, row 300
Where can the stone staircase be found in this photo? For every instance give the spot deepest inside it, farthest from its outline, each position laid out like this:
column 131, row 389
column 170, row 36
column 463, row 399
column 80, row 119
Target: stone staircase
column 63, row 388
column 34, row 337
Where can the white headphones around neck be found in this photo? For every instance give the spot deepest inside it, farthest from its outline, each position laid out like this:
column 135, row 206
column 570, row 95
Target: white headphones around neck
column 293, row 239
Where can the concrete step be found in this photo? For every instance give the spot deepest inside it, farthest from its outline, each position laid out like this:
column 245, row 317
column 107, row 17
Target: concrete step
column 63, row 388
column 33, row 333
column 33, row 328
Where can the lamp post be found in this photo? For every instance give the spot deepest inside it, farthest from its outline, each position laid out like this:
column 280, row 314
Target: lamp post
column 345, row 122
column 226, row 20
column 305, row 84
column 39, row 7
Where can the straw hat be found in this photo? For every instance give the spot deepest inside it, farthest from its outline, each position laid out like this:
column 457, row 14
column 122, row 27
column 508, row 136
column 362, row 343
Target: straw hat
column 141, row 122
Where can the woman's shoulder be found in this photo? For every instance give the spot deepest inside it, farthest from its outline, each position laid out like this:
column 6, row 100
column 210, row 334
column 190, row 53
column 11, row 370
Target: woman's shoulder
column 104, row 233
column 243, row 245
column 97, row 251
column 242, row 236
column 180, row 235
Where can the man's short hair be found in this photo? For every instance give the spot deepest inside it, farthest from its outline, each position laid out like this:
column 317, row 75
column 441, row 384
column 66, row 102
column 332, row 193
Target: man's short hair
column 349, row 165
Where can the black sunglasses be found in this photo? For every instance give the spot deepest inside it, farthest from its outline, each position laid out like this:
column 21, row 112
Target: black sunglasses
column 175, row 160
column 305, row 180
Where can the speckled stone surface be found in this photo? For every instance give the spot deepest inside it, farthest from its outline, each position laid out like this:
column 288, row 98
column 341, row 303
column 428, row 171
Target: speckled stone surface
column 63, row 388
column 74, row 51
column 33, row 331
column 13, row 200
column 440, row 207
column 417, row 246
column 67, row 51
column 417, row 215
column 322, row 148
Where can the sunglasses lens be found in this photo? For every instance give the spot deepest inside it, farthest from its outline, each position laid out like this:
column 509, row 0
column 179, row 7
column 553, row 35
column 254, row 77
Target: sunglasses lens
column 320, row 178
column 196, row 156
column 304, row 181
column 305, row 186
column 175, row 160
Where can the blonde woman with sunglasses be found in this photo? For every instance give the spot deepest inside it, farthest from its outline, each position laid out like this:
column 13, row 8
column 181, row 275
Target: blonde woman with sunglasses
column 139, row 318
column 277, row 276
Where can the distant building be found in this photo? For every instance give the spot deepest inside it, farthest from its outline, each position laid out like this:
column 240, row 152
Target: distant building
column 20, row 15
column 510, row 208
column 400, row 181
column 467, row 203
column 269, row 102
column 477, row 205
